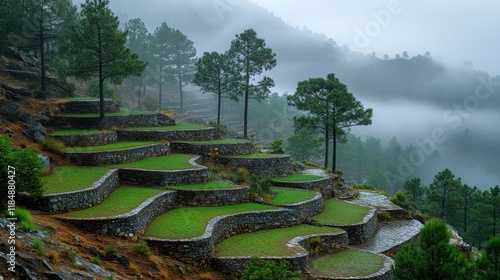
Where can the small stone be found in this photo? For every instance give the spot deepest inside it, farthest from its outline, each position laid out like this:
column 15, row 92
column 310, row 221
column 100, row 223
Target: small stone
column 123, row 260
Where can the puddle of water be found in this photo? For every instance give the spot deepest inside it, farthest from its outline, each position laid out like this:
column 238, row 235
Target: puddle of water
column 391, row 234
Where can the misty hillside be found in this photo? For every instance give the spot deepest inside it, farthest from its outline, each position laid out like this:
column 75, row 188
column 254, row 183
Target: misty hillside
column 411, row 96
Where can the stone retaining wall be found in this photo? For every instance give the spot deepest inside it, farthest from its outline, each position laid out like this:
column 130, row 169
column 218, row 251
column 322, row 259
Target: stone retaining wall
column 200, row 249
column 212, row 197
column 265, row 167
column 117, row 156
column 385, row 273
column 209, row 149
column 324, row 185
column 85, row 140
column 88, row 106
column 127, row 224
column 307, row 209
column 329, row 243
column 143, row 177
column 205, row 134
column 361, row 232
column 148, row 120
column 76, row 200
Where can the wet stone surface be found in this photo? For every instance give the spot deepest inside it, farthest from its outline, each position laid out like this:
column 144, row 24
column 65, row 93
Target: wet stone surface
column 373, row 199
column 392, row 234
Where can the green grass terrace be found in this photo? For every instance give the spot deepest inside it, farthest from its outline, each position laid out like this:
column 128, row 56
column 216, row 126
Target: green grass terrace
column 169, row 162
column 348, row 263
column 110, row 147
column 338, row 212
column 63, row 132
column 261, row 155
column 177, row 126
column 191, row 222
column 298, row 178
column 114, row 114
column 220, row 141
column 285, row 196
column 71, row 178
column 121, row 201
column 216, row 185
column 269, row 242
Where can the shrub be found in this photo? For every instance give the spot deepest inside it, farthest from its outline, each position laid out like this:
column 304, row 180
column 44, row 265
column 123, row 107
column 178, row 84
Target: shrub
column 51, row 144
column 364, row 186
column 69, row 254
column 111, row 253
column 257, row 269
column 240, row 175
column 254, row 184
column 487, row 264
column 142, row 248
column 39, row 247
column 53, row 256
column 96, row 260
column 28, row 168
column 150, row 103
column 398, row 199
column 265, row 185
column 276, row 146
column 92, row 89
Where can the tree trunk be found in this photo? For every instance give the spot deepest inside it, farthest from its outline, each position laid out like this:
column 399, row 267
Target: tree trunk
column 101, row 82
column 160, row 83
column 219, row 97
column 327, row 142
column 180, row 88
column 245, row 112
column 43, row 73
column 334, row 155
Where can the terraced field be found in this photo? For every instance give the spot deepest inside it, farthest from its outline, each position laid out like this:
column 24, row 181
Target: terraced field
column 110, row 147
column 290, row 196
column 205, row 186
column 121, row 201
column 269, row 242
column 191, row 222
column 348, row 263
column 338, row 212
column 71, row 178
column 169, row 162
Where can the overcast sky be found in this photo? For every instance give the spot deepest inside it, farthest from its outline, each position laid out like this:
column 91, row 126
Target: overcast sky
column 452, row 31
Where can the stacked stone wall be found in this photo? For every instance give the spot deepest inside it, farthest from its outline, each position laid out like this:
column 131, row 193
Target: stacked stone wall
column 265, row 167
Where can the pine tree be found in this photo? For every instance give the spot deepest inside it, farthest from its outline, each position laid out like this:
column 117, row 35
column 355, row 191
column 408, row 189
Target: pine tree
column 98, row 48
column 488, row 265
column 253, row 57
column 433, row 258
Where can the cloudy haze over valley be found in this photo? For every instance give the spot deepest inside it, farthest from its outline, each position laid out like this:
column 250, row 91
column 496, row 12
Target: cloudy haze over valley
column 446, row 87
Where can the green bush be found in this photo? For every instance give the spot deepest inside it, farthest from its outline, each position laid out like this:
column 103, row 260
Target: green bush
column 27, row 167
column 51, row 144
column 276, row 146
column 39, row 247
column 254, row 184
column 111, row 253
column 24, row 219
column 96, row 260
column 257, row 269
column 142, row 248
column 240, row 175
column 92, row 90
column 398, row 199
column 150, row 103
column 364, row 186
